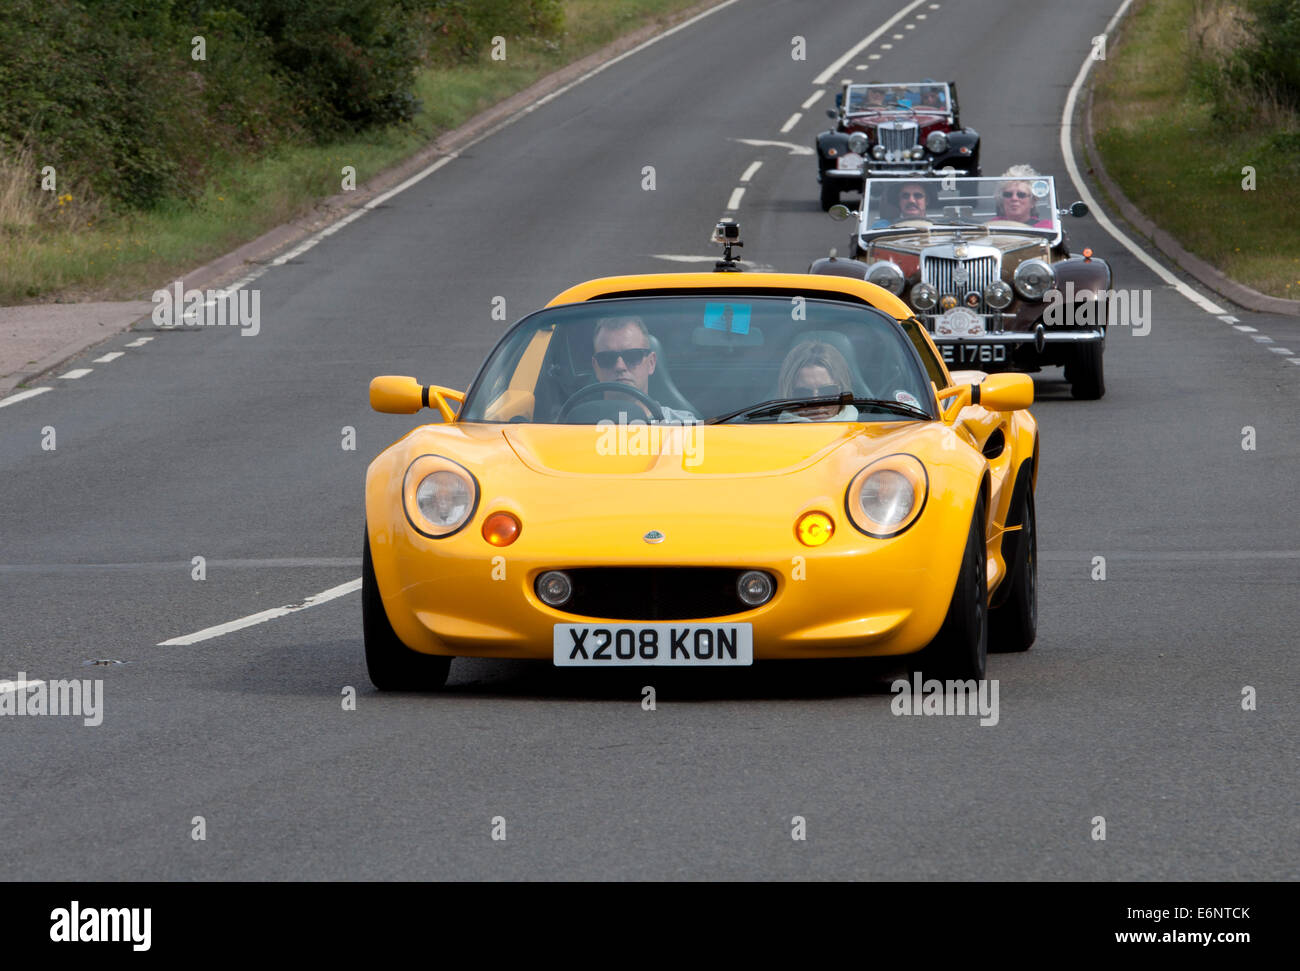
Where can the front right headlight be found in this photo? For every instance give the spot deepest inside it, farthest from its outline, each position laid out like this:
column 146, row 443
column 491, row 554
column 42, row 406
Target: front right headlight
column 439, row 496
column 887, row 496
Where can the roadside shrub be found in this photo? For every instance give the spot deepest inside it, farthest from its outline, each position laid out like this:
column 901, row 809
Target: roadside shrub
column 1272, row 56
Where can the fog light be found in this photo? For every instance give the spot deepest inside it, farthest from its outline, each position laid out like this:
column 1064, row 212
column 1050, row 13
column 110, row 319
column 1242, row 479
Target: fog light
column 972, row 299
column 554, row 588
column 501, row 529
column 997, row 294
column 814, row 528
column 755, row 588
column 924, row 297
column 947, row 302
column 877, row 152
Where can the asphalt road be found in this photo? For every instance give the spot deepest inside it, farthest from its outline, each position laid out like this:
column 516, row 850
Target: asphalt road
column 207, row 443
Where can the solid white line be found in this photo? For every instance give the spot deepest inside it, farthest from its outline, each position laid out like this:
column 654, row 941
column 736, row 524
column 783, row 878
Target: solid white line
column 749, row 172
column 253, row 619
column 1067, row 150
column 112, row 356
column 791, row 122
column 734, row 202
column 853, row 51
column 75, row 373
column 140, row 343
column 813, row 98
column 13, row 399
column 7, row 686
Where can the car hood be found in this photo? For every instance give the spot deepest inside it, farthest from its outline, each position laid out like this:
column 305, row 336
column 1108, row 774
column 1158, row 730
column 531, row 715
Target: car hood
column 1005, row 242
column 668, row 451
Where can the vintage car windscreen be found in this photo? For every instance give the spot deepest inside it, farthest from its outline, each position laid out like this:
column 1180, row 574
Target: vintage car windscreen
column 928, row 96
column 995, row 203
column 699, row 357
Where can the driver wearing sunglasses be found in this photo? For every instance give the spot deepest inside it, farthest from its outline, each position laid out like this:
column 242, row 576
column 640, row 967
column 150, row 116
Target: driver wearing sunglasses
column 622, row 354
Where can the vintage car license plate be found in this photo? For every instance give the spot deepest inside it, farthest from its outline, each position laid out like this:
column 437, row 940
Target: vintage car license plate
column 639, row 645
column 850, row 160
column 959, row 322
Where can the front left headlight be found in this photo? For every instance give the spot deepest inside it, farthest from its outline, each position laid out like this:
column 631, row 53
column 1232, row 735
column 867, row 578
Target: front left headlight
column 937, row 142
column 439, row 496
column 858, row 143
column 888, row 495
column 1033, row 278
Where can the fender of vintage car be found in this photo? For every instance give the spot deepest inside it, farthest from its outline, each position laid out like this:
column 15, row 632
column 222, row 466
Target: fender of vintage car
column 963, row 152
column 828, row 140
column 1085, row 274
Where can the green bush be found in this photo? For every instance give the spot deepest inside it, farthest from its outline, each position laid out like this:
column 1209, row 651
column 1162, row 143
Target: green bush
column 1272, row 58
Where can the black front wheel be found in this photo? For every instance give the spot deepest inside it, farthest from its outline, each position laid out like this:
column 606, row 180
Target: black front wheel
column 1014, row 625
column 830, row 193
column 1085, row 372
column 392, row 665
column 960, row 650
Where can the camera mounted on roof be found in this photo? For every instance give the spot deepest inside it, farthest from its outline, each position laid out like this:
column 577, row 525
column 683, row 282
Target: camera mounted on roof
column 727, row 233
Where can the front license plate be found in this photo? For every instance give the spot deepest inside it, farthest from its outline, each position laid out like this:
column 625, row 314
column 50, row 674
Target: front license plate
column 640, row 645
column 850, row 161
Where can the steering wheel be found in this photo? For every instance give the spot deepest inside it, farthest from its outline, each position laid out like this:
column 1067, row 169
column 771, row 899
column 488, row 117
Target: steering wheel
column 600, row 387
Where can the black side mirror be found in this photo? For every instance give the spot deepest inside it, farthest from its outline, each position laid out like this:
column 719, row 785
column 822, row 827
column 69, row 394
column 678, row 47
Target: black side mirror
column 1079, row 209
column 832, row 113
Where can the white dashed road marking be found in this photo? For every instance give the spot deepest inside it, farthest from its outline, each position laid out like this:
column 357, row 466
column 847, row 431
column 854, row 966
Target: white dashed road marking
column 140, row 343
column 791, row 122
column 13, row 399
column 75, row 373
column 8, row 686
column 866, row 42
column 749, row 172
column 813, row 99
column 111, row 356
column 734, row 202
column 343, row 589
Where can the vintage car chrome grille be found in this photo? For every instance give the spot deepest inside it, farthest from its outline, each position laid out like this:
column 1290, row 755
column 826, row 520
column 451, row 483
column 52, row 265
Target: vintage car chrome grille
column 895, row 136
column 980, row 272
column 654, row 593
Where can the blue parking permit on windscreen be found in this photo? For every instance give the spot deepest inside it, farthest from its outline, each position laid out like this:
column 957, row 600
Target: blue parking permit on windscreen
column 733, row 317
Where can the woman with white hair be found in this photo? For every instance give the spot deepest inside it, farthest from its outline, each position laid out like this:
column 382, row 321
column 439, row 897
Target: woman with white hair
column 1014, row 197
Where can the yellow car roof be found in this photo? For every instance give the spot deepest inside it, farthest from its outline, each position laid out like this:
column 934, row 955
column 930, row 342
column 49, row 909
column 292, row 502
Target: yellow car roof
column 811, row 284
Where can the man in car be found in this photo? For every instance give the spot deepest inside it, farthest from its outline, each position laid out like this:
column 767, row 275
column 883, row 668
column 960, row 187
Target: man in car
column 910, row 199
column 622, row 354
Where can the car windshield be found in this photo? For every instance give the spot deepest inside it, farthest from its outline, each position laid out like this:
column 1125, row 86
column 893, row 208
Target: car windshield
column 688, row 358
column 928, row 96
column 1024, row 204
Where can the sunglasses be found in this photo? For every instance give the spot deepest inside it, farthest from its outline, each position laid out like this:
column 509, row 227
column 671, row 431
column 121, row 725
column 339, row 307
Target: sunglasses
column 632, row 357
column 913, row 197
column 1015, row 195
column 825, row 391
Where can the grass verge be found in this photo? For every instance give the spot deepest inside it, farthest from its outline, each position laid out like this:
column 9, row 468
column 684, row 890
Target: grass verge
column 1159, row 138
column 76, row 253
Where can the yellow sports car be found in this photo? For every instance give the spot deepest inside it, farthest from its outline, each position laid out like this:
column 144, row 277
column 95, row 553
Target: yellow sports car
column 704, row 469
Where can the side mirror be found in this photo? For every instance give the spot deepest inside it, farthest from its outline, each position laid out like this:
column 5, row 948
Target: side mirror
column 1079, row 209
column 840, row 212
column 395, row 394
column 832, row 113
column 1004, row 392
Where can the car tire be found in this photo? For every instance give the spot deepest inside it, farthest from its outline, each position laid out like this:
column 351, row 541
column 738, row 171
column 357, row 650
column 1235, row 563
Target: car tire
column 392, row 665
column 1085, row 373
column 960, row 650
column 1014, row 624
column 830, row 194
